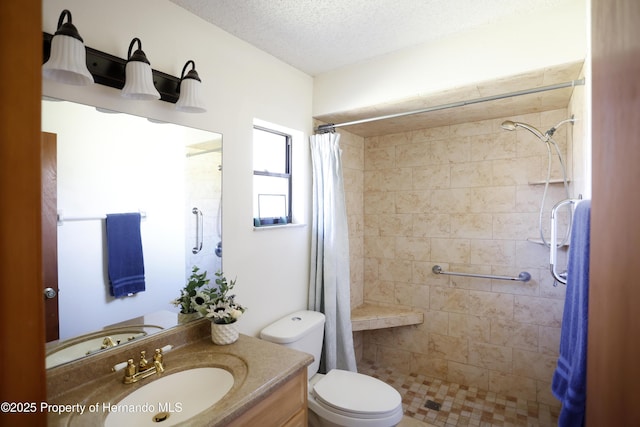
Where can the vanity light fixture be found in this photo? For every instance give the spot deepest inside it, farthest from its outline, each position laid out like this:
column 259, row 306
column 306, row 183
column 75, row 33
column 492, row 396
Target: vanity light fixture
column 133, row 75
column 138, row 75
column 190, row 100
column 67, row 62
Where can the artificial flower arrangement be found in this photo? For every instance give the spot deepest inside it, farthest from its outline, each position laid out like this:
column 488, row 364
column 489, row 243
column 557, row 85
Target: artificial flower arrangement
column 212, row 302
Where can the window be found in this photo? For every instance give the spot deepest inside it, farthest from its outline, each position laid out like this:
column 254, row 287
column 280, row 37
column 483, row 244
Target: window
column 271, row 177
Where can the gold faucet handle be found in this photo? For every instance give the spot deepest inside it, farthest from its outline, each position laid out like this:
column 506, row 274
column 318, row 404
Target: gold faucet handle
column 143, row 364
column 130, row 370
column 158, row 361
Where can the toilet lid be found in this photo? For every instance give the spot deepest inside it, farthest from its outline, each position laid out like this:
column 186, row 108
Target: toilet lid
column 356, row 393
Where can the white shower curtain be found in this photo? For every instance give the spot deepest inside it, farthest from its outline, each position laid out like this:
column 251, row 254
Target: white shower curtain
column 329, row 285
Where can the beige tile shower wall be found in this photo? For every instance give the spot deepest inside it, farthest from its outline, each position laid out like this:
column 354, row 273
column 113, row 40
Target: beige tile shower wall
column 462, row 197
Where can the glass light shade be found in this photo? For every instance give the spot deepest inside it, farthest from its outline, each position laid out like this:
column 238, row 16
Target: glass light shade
column 67, row 62
column 139, row 82
column 190, row 100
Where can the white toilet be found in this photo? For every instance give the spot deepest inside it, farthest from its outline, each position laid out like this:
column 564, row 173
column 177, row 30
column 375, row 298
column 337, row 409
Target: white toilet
column 338, row 398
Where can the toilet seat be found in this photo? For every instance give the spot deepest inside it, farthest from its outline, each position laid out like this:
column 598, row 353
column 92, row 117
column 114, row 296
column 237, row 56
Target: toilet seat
column 356, row 395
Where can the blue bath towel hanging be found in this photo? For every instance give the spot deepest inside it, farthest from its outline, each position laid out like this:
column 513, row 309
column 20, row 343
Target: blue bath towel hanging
column 570, row 377
column 124, row 246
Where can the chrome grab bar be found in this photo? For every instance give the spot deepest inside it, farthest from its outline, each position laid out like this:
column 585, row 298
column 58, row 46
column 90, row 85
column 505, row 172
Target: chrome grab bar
column 199, row 230
column 553, row 250
column 522, row 277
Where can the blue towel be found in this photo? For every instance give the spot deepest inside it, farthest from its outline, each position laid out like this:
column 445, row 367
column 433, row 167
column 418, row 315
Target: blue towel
column 570, row 377
column 124, row 244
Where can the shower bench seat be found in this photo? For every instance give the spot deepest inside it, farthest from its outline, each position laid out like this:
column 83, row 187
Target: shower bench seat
column 373, row 316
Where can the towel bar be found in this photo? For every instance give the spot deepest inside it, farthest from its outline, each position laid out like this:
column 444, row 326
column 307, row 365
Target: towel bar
column 62, row 218
column 522, row 277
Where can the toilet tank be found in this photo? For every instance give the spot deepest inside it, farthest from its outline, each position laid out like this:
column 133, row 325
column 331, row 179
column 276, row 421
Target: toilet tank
column 302, row 330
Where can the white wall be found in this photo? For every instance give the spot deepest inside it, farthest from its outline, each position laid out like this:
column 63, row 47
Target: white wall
column 579, row 150
column 486, row 53
column 241, row 83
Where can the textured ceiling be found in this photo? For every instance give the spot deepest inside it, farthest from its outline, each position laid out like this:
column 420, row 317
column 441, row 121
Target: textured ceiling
column 316, row 36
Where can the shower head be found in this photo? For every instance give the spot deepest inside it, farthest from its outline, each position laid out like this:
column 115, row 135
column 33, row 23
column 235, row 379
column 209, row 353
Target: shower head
column 509, row 125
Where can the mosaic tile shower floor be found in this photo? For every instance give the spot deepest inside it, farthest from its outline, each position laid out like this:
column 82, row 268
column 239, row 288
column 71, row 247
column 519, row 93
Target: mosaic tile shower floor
column 459, row 405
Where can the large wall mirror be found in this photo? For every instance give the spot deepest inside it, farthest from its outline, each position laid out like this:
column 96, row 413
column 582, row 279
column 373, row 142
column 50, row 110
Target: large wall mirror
column 108, row 162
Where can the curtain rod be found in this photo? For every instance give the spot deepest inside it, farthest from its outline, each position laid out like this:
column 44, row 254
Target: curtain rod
column 330, row 127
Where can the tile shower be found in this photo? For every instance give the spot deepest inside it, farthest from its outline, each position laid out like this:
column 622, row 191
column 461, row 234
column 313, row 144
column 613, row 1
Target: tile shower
column 465, row 197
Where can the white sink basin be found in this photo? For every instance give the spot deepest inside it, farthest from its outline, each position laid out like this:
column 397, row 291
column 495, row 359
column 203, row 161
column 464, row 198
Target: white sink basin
column 171, row 399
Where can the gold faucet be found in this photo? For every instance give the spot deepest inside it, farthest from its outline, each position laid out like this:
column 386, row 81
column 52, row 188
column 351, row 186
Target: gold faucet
column 108, row 342
column 133, row 373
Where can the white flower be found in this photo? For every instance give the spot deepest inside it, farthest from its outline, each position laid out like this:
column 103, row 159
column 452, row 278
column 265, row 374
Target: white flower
column 200, row 300
column 235, row 313
column 219, row 311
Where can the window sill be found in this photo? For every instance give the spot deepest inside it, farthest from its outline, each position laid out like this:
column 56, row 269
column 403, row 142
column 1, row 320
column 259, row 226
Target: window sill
column 278, row 226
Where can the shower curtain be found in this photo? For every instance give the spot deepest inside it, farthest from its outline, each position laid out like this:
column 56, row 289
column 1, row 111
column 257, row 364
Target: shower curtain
column 329, row 284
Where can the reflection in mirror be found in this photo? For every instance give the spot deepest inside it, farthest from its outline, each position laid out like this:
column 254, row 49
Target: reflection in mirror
column 117, row 163
column 71, row 349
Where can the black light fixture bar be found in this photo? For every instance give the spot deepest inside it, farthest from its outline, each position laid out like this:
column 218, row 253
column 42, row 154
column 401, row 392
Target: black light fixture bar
column 108, row 70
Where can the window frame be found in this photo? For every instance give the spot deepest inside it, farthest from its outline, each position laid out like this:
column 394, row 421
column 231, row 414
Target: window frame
column 288, row 155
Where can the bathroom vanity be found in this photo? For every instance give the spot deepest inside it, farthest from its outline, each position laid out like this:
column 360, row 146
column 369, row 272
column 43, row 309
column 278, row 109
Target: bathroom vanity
column 269, row 383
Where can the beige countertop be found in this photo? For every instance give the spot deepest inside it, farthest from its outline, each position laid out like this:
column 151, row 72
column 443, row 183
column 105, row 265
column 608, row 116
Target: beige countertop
column 259, row 367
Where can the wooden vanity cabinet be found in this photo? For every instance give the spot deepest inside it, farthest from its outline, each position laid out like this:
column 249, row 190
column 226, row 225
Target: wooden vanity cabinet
column 284, row 407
